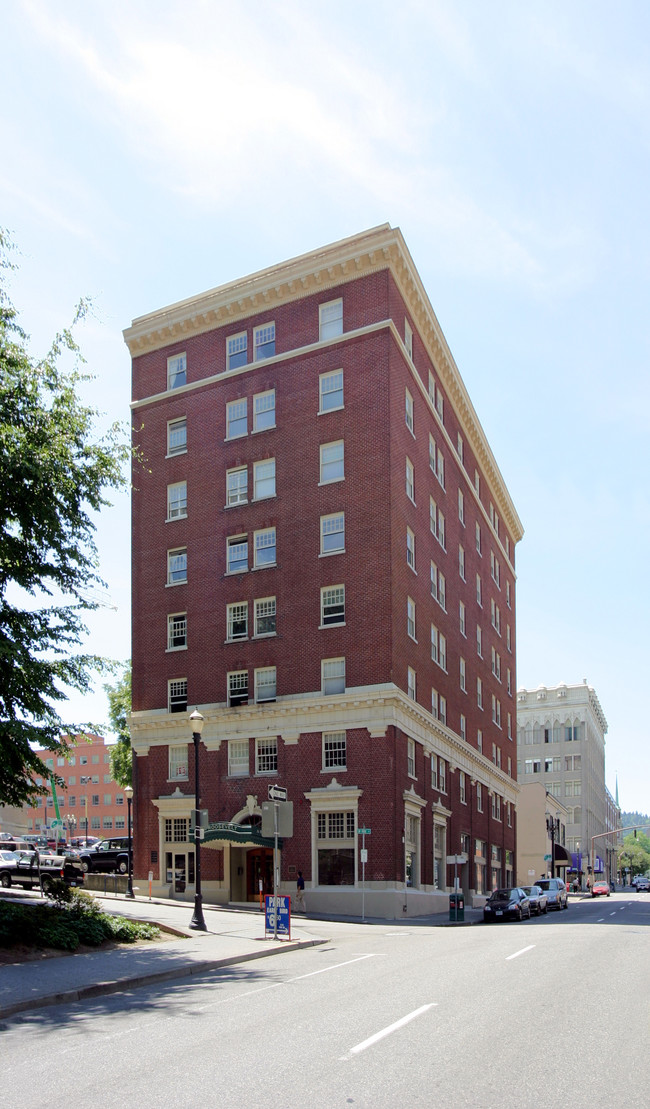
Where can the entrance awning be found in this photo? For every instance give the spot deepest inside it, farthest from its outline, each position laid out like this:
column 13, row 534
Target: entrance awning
column 562, row 856
column 246, row 835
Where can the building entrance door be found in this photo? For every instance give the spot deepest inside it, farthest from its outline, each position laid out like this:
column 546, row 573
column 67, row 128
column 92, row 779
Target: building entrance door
column 259, row 867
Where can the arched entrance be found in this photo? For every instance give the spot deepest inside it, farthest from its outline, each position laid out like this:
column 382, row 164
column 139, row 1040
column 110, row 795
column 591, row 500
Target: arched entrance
column 259, row 869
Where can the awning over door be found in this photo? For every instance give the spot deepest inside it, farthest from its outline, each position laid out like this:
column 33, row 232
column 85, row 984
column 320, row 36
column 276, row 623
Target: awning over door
column 246, row 835
column 562, row 856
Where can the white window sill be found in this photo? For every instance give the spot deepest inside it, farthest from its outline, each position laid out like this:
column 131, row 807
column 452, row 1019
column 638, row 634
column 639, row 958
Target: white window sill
column 324, row 627
column 173, row 584
column 329, row 554
column 236, row 504
column 170, row 519
column 172, row 650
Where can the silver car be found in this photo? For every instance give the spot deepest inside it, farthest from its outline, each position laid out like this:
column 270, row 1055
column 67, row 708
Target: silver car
column 538, row 899
column 555, row 890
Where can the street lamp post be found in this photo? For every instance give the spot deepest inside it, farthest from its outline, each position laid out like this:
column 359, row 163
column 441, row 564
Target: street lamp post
column 552, row 827
column 128, row 790
column 71, row 823
column 197, row 922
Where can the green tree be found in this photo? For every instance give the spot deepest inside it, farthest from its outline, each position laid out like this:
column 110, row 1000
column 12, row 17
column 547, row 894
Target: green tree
column 55, row 469
column 635, row 854
column 119, row 709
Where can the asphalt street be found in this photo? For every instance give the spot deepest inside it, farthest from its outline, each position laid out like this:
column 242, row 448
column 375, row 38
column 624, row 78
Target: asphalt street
column 382, row 1015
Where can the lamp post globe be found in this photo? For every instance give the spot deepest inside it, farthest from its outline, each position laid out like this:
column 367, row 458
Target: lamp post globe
column 198, row 921
column 128, row 791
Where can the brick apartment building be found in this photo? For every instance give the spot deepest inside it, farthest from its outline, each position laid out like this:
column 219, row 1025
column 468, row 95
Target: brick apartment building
column 324, row 566
column 89, row 791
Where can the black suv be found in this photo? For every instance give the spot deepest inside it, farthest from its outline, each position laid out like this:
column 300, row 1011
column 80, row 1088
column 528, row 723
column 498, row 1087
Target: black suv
column 107, row 855
column 24, row 871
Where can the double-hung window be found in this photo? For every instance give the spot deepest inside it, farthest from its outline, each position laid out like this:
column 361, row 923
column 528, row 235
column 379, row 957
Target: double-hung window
column 461, row 506
column 177, row 695
column 236, row 553
column 332, row 533
column 177, row 631
column 334, row 751
column 237, row 620
column 438, row 647
column 177, row 500
column 330, row 391
column 238, row 687
column 332, row 462
column 264, row 342
column 236, row 418
column 332, row 605
column 177, row 436
column 177, row 566
column 264, row 410
column 176, row 371
column 265, row 551
column 461, row 561
column 410, row 480
column 330, row 319
column 238, row 758
column 410, row 617
column 410, row 548
column 177, row 763
column 408, row 412
column 237, row 350
column 265, row 683
column 264, row 479
column 333, row 675
column 266, row 756
column 237, row 486
column 265, row 616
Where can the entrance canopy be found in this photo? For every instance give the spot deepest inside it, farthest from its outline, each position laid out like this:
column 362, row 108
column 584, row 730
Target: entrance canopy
column 562, row 857
column 245, row 835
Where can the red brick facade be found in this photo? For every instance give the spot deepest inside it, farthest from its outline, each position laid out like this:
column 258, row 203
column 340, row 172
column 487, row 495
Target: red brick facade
column 362, row 477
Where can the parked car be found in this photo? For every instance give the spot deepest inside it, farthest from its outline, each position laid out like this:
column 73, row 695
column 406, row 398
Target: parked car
column 555, row 890
column 15, row 843
column 84, row 841
column 106, row 855
column 507, row 904
column 538, row 899
column 24, row 871
column 600, row 889
column 641, row 883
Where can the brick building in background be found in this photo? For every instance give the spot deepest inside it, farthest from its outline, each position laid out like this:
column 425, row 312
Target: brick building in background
column 88, row 791
column 323, row 565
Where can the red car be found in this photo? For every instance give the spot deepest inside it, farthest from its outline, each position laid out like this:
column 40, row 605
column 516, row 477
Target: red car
column 600, row 889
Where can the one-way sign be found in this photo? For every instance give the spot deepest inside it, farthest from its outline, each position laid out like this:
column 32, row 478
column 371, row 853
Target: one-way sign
column 277, row 793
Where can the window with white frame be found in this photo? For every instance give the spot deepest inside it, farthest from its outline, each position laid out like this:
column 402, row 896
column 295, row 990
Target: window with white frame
column 330, row 319
column 177, row 500
column 508, row 595
column 461, row 506
column 460, row 447
column 479, row 641
column 440, row 407
column 479, row 797
column 461, row 561
column 438, row 647
column 178, row 763
column 411, row 688
column 410, row 480
column 176, row 371
column 439, row 855
column 236, row 553
column 435, row 704
column 410, row 548
column 477, row 482
column 438, row 585
column 237, row 486
column 462, row 786
column 410, row 617
column 177, row 566
column 434, row 772
column 478, row 537
column 463, row 726
column 263, row 342
column 177, row 631
column 496, row 711
column 265, row 548
column 237, row 620
column 462, row 617
column 264, row 479
column 442, row 775
column 266, row 755
column 508, row 638
column 332, row 605
column 238, row 687
column 177, row 436
column 265, row 683
column 496, row 664
column 495, row 569
column 479, row 740
column 336, row 848
column 332, row 676
column 236, row 350
column 463, row 675
column 330, row 394
column 237, row 758
column 335, row 755
column 495, row 615
column 264, row 410
column 509, row 728
column 432, row 388
column 479, row 590
column 412, row 848
column 176, row 829
column 408, row 411
column 177, row 695
column 264, row 616
column 332, row 533
column 410, row 757
column 332, row 466
column 479, row 692
column 237, row 418
column 408, row 338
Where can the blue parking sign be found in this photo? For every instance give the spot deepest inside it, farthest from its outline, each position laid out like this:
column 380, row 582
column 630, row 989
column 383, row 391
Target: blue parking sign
column 283, row 914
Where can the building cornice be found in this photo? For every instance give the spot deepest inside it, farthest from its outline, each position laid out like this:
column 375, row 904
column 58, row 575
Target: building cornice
column 374, row 708
column 380, row 248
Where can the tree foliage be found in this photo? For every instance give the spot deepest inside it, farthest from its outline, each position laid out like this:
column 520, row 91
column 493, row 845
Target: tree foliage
column 119, row 708
column 55, row 470
column 635, row 854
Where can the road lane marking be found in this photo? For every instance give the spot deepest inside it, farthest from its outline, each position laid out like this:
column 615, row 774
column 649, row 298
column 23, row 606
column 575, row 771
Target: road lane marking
column 612, row 914
column 600, row 920
column 522, row 952
column 323, row 970
column 358, row 1048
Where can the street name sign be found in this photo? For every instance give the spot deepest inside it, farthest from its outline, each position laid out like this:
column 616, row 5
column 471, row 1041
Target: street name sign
column 363, row 831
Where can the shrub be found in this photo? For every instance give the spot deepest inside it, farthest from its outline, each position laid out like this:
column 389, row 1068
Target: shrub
column 65, row 925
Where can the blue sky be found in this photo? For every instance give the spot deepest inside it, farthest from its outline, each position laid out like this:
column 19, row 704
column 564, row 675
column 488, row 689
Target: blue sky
column 152, row 150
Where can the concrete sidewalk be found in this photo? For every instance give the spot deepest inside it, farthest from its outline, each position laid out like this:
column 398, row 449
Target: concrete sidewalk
column 233, row 936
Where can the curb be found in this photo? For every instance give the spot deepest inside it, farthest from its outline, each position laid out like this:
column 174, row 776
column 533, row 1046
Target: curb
column 100, row 989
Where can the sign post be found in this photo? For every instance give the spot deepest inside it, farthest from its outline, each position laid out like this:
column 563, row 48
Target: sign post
column 278, row 795
column 363, row 832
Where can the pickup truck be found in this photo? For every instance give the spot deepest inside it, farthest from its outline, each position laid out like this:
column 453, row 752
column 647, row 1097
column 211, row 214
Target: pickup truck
column 24, row 871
